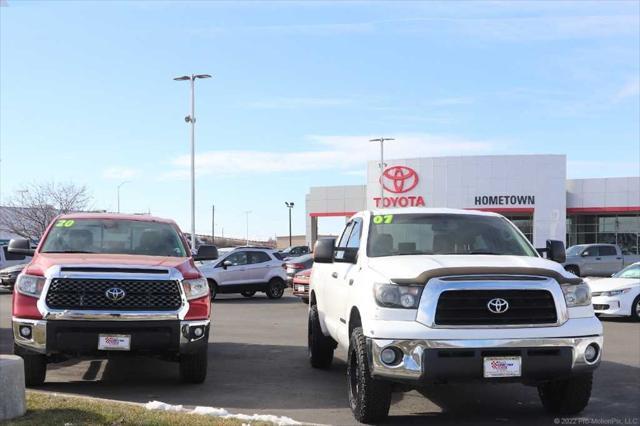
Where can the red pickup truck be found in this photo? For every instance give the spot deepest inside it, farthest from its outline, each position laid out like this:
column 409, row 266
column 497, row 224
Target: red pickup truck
column 111, row 284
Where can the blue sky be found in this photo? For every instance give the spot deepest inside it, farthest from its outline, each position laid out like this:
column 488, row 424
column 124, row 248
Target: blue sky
column 86, row 95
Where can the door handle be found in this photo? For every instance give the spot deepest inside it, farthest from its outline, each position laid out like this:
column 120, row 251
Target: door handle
column 597, row 258
column 619, row 258
column 334, row 275
column 351, row 281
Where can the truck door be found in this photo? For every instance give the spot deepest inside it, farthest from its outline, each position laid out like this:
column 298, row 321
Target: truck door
column 334, row 289
column 343, row 275
column 589, row 262
column 611, row 261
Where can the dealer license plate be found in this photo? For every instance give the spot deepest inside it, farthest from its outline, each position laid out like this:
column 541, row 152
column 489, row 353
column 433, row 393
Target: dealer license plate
column 300, row 288
column 114, row 342
column 503, row 366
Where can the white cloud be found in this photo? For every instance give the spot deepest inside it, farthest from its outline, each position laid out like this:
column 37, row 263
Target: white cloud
column 630, row 89
column 294, row 103
column 338, row 152
column 117, row 172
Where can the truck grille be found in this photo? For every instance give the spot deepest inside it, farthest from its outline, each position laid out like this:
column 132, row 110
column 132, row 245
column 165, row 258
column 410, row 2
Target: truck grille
column 81, row 293
column 470, row 307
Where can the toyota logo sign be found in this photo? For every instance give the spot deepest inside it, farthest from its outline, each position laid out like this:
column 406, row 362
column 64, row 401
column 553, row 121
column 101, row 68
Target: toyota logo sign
column 399, row 179
column 498, row 305
column 115, row 294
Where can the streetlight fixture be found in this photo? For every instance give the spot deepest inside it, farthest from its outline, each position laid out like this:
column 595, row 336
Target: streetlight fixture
column 382, row 165
column 192, row 120
column 122, row 183
column 290, row 207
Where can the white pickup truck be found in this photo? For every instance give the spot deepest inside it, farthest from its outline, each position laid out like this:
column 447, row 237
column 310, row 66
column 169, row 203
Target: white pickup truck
column 420, row 296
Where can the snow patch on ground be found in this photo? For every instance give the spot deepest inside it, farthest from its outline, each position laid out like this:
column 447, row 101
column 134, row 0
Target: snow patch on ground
column 222, row 413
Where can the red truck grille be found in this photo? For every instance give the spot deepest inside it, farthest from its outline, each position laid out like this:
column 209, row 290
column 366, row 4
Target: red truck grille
column 470, row 307
column 81, row 293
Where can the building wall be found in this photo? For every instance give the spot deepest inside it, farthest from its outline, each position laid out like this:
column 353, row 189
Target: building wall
column 604, row 194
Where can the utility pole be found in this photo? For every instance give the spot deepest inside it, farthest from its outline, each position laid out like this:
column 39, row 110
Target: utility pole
column 192, row 120
column 247, row 213
column 213, row 224
column 382, row 165
column 126, row 181
column 290, row 207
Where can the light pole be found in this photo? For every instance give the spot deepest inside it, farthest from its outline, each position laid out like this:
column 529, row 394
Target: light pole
column 247, row 213
column 381, row 140
column 122, row 183
column 290, row 207
column 192, row 119
column 213, row 224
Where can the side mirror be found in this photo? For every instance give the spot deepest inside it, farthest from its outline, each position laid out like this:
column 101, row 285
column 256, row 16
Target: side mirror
column 206, row 252
column 585, row 253
column 323, row 252
column 20, row 246
column 555, row 251
column 226, row 264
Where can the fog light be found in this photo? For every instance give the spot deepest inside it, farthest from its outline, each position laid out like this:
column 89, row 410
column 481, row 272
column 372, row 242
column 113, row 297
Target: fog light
column 25, row 331
column 591, row 352
column 389, row 356
column 197, row 331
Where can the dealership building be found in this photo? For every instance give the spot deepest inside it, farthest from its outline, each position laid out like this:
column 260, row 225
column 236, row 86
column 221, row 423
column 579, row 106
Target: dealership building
column 531, row 190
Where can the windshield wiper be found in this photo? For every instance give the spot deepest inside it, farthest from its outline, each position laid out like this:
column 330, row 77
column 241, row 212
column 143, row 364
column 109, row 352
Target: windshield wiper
column 471, row 252
column 70, row 251
column 409, row 253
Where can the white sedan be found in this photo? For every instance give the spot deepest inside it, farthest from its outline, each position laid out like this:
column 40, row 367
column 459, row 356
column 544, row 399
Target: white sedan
column 618, row 295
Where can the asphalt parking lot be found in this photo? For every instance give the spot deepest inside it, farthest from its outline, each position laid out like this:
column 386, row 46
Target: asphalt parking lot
column 258, row 364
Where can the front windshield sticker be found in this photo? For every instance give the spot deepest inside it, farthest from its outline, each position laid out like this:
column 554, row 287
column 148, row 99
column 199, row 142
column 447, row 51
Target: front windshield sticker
column 65, row 223
column 383, row 218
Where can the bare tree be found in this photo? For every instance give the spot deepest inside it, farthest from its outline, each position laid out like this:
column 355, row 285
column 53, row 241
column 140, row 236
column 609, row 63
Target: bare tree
column 29, row 211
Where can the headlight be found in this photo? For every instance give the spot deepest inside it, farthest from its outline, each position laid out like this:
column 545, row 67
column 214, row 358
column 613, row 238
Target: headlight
column 194, row 289
column 577, row 295
column 30, row 285
column 398, row 296
column 615, row 292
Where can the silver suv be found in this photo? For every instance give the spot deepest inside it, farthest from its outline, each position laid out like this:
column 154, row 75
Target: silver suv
column 246, row 270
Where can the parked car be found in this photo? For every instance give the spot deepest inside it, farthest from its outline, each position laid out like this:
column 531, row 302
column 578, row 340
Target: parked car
column 104, row 283
column 246, row 270
column 294, row 251
column 600, row 260
column 618, row 295
column 296, row 265
column 9, row 259
column 9, row 275
column 301, row 285
column 421, row 295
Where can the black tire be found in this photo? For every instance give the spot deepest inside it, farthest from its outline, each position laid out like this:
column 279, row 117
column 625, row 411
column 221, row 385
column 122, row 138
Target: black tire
column 35, row 366
column 369, row 398
column 635, row 309
column 320, row 347
column 573, row 269
column 213, row 289
column 304, row 300
column 275, row 288
column 193, row 367
column 249, row 293
column 566, row 397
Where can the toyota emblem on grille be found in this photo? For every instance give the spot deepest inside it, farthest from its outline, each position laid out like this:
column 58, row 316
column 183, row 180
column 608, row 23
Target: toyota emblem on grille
column 498, row 305
column 115, row 294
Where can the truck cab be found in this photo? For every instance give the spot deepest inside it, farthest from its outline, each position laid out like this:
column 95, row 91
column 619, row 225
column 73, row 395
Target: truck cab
column 106, row 284
column 600, row 260
column 419, row 296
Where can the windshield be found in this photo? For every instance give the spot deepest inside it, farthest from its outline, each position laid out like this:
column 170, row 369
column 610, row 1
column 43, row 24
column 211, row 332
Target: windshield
column 406, row 234
column 574, row 250
column 107, row 236
column 632, row 271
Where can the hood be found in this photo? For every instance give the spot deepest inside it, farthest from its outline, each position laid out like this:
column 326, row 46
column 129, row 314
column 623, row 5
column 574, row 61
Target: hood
column 408, row 267
column 608, row 284
column 43, row 261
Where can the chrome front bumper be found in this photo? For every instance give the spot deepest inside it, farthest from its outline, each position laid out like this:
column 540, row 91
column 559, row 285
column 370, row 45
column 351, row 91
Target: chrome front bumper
column 412, row 367
column 38, row 340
